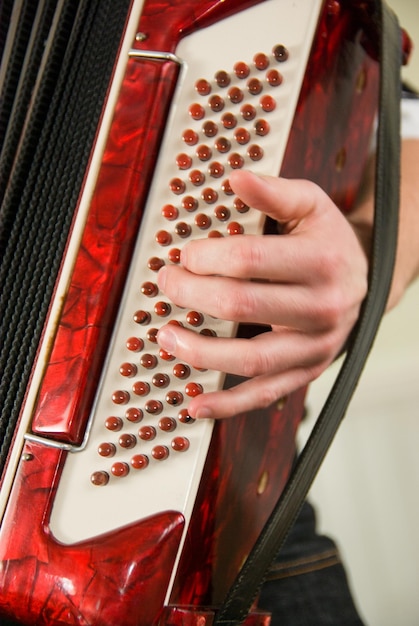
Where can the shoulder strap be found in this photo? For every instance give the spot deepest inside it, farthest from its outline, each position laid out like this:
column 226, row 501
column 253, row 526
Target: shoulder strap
column 244, row 590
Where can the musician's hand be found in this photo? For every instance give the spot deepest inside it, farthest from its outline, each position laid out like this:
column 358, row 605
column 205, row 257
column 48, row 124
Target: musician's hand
column 307, row 284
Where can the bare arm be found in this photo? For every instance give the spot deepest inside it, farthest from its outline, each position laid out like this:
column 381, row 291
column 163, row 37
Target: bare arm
column 407, row 260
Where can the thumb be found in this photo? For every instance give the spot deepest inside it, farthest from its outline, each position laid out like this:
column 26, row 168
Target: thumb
column 286, row 201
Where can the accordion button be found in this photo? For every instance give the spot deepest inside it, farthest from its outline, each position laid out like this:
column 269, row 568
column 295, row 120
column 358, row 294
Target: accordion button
column 235, row 95
column 170, row 212
column 141, row 388
column 184, row 417
column 153, row 407
column 174, row 398
column 147, row 433
column 255, row 152
column 177, row 186
column 167, row 424
column 166, row 356
column 240, row 206
column 208, row 332
column 127, row 441
column 262, row 128
column 162, row 309
column 180, row 444
column 160, row 453
column 161, row 380
column 142, row 317
column 134, row 344
column 113, row 423
column 267, row 103
column 163, row 238
column 190, row 203
column 152, row 334
column 261, row 61
column 274, row 78
column 226, row 187
column 209, row 195
column 236, row 161
column 193, row 389
column 190, row 137
column 216, row 169
column 134, row 415
column 248, row 112
column 139, row 461
column 181, row 370
column 242, row 136
column 204, row 153
column 222, row 213
column 223, row 145
column 120, row 469
column 234, row 228
column 174, row 255
column 280, row 53
column 203, row 221
column 254, row 86
column 229, row 120
column 210, row 129
column 155, row 263
column 194, row 318
column 99, row 479
column 120, row 397
column 197, row 178
column 222, row 78
column 183, row 161
column 203, row 87
column 196, row 111
column 183, row 230
column 241, row 70
column 128, row 369
column 149, row 289
column 216, row 103
column 106, row 449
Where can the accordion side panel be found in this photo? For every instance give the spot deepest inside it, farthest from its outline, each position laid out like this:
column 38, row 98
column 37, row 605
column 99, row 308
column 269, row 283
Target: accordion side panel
column 95, row 290
column 84, row 583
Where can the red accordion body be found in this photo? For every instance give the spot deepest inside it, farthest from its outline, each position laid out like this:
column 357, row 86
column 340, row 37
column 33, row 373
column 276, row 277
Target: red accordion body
column 165, row 568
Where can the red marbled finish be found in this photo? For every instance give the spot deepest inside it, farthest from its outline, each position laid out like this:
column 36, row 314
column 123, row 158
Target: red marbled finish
column 191, row 616
column 111, row 579
column 99, row 582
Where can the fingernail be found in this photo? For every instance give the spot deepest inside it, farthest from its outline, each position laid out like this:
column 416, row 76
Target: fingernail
column 166, row 339
column 161, row 278
column 203, row 413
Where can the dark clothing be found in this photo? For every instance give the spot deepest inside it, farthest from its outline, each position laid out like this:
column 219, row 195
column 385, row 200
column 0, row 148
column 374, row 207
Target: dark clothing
column 307, row 585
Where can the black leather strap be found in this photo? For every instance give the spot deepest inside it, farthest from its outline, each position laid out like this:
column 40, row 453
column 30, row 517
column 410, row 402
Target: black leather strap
column 244, row 590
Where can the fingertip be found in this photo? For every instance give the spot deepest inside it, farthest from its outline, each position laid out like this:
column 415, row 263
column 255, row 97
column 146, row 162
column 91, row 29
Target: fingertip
column 166, row 339
column 204, row 413
column 240, row 177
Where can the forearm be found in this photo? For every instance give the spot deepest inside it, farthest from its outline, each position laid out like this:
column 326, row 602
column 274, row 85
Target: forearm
column 407, row 259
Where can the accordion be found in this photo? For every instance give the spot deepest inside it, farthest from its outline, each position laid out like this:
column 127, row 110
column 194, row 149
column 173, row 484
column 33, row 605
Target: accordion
column 120, row 125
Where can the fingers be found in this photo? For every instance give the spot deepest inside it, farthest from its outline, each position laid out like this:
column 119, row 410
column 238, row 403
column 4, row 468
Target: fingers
column 267, row 353
column 282, row 199
column 252, row 394
column 307, row 285
column 274, row 304
column 251, row 257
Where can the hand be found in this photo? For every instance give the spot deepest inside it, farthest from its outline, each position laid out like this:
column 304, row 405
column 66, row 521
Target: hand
column 307, row 284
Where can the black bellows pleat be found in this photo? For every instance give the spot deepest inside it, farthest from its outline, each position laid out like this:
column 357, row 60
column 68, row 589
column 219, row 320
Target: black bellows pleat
column 52, row 95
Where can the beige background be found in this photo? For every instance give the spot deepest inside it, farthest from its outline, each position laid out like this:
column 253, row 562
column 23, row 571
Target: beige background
column 367, row 492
